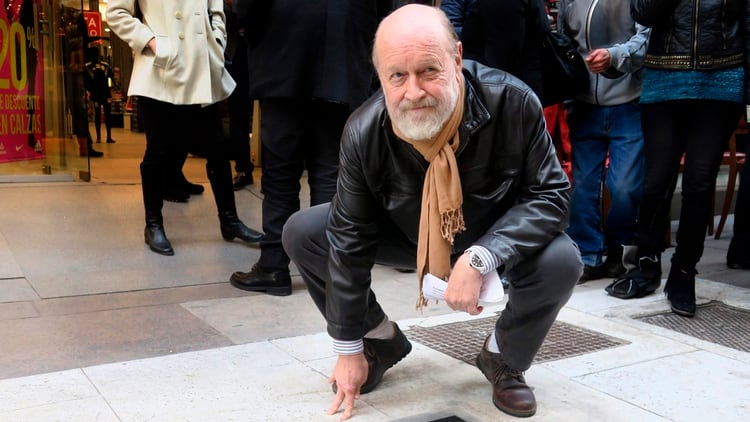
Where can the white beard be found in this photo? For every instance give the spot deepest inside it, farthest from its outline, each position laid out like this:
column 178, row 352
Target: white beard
column 424, row 125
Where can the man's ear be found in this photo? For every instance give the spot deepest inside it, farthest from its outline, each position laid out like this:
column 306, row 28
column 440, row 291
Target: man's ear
column 459, row 55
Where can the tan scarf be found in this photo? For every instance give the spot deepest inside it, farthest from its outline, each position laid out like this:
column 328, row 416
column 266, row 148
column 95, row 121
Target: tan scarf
column 441, row 217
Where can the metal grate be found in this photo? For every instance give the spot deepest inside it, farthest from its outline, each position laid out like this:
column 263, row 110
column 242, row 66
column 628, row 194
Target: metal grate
column 463, row 340
column 715, row 322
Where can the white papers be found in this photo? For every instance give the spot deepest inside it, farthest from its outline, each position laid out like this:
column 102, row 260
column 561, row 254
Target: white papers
column 433, row 288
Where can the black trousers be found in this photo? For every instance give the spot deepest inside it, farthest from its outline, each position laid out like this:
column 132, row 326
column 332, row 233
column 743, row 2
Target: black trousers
column 296, row 135
column 173, row 130
column 540, row 286
column 739, row 248
column 700, row 129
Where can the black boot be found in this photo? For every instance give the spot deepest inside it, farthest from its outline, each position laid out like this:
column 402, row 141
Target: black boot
column 638, row 282
column 152, row 184
column 220, row 176
column 154, row 234
column 680, row 291
column 232, row 227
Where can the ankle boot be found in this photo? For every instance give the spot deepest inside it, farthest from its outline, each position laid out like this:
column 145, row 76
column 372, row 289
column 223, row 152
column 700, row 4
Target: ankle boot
column 638, row 282
column 155, row 237
column 680, row 291
column 220, row 176
column 232, row 227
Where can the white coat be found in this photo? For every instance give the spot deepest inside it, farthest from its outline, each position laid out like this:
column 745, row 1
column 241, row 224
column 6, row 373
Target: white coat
column 188, row 67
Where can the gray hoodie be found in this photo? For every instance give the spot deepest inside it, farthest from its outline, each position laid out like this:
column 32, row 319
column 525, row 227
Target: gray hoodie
column 607, row 24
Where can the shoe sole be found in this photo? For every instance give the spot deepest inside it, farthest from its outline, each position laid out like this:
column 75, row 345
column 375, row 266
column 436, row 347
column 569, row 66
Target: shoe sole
column 273, row 291
column 511, row 412
column 682, row 312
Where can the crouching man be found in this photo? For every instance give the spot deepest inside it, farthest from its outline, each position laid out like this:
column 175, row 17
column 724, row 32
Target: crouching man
column 449, row 168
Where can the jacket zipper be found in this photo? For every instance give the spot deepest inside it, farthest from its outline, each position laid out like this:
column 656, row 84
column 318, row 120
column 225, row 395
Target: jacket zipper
column 694, row 58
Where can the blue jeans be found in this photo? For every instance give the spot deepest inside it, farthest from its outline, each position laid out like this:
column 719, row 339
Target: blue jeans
column 596, row 131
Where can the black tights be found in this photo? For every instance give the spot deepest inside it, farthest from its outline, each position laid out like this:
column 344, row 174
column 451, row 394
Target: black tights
column 700, row 129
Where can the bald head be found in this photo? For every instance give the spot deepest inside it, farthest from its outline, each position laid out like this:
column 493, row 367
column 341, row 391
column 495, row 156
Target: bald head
column 414, row 23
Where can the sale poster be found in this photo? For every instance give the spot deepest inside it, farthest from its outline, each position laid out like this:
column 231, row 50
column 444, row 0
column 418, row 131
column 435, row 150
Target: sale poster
column 21, row 82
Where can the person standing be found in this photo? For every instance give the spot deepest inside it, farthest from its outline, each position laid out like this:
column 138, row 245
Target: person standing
column 98, row 76
column 239, row 104
column 694, row 89
column 450, row 171
column 179, row 78
column 507, row 35
column 309, row 67
column 605, row 131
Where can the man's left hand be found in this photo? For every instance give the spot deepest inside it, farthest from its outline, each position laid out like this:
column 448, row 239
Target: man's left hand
column 464, row 284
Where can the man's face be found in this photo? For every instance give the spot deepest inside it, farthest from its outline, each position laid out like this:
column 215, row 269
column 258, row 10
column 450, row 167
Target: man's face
column 419, row 77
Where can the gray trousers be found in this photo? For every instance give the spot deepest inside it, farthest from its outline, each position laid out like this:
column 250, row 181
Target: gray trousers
column 540, row 286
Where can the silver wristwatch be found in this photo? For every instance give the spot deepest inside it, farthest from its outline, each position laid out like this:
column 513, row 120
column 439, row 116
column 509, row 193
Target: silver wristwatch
column 476, row 262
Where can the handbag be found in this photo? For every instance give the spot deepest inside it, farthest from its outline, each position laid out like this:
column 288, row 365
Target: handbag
column 564, row 73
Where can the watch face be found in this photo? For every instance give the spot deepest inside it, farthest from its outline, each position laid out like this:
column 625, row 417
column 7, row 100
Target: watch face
column 476, row 262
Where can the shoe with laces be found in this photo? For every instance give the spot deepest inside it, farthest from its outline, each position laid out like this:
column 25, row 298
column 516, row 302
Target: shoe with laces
column 510, row 393
column 382, row 355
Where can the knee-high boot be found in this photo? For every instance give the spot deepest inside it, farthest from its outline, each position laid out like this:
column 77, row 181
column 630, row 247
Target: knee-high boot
column 220, row 176
column 152, row 179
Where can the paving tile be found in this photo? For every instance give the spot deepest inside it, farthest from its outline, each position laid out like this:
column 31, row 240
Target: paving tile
column 248, row 382
column 47, row 344
column 685, row 387
column 8, row 266
column 16, row 290
column 48, row 389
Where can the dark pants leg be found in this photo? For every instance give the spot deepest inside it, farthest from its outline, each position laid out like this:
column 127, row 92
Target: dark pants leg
column 540, row 286
column 240, row 112
column 306, row 243
column 207, row 140
column 739, row 248
column 107, row 118
column 296, row 134
column 700, row 129
column 98, row 120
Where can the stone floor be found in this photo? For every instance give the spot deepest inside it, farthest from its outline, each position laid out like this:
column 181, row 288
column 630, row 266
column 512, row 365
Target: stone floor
column 95, row 327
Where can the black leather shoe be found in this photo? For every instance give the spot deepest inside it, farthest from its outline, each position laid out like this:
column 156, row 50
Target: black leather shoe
column 194, row 188
column 510, row 393
column 110, row 141
column 232, row 227
column 176, row 195
column 276, row 283
column 94, row 153
column 382, row 355
column 738, row 264
column 241, row 180
column 157, row 240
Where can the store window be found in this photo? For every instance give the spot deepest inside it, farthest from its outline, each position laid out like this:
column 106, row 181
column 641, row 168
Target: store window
column 44, row 112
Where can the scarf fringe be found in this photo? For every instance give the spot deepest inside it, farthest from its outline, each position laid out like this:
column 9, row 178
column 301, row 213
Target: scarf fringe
column 451, row 223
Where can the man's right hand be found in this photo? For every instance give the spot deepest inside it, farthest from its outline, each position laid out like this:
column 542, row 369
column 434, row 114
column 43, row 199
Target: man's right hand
column 349, row 375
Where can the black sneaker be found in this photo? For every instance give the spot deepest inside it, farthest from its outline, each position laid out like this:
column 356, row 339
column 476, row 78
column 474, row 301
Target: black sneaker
column 382, row 355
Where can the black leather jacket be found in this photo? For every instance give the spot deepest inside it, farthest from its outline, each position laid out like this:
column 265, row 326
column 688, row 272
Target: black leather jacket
column 515, row 192
column 695, row 34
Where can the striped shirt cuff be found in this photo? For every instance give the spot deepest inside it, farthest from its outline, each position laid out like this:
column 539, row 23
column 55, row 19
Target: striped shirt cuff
column 348, row 347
